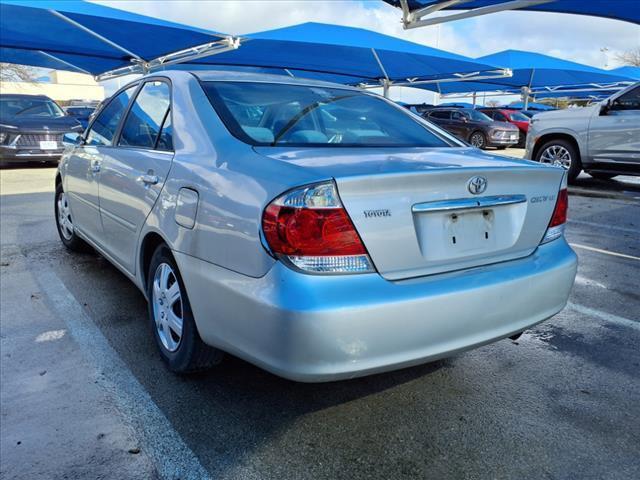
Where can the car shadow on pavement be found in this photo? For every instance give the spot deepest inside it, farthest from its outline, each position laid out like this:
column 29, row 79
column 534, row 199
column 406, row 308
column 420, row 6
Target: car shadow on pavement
column 227, row 413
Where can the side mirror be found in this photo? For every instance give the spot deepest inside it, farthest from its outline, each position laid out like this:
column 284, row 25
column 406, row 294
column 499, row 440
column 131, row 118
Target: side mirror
column 464, row 119
column 605, row 108
column 71, row 139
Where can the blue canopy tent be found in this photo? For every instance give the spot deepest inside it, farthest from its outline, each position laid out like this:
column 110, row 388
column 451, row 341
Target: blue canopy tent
column 90, row 38
column 98, row 40
column 414, row 11
column 536, row 73
column 352, row 56
column 628, row 71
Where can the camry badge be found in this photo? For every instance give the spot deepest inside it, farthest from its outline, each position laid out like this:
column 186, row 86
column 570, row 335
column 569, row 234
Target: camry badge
column 477, row 185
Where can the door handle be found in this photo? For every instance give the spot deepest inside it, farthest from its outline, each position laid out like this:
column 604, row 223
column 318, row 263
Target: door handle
column 149, row 179
column 95, row 167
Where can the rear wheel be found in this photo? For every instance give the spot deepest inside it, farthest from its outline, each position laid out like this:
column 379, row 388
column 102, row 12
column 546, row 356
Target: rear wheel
column 602, row 175
column 561, row 153
column 478, row 140
column 172, row 321
column 64, row 223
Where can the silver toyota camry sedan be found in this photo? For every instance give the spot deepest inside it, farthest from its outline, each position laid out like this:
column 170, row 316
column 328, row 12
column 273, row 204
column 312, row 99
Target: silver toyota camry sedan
column 318, row 231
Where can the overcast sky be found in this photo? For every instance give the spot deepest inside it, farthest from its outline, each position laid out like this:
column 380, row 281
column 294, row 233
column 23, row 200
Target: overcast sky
column 571, row 37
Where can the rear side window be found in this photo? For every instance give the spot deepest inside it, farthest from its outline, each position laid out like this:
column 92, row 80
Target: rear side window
column 103, row 129
column 165, row 141
column 146, row 117
column 444, row 114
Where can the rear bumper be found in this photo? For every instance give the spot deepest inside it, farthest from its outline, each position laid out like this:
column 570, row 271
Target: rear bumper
column 322, row 328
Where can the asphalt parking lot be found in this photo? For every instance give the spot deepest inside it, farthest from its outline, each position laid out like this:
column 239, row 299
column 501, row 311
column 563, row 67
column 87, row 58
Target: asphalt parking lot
column 86, row 396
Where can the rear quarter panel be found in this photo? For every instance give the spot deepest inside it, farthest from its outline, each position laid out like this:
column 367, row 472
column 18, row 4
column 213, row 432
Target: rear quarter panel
column 233, row 183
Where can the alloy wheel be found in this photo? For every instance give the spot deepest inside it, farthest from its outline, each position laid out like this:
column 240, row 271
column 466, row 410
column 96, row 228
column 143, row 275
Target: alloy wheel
column 64, row 217
column 167, row 307
column 556, row 155
column 477, row 140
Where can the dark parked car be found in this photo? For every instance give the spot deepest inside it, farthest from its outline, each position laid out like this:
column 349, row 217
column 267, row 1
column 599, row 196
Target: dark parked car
column 32, row 127
column 510, row 116
column 80, row 113
column 474, row 127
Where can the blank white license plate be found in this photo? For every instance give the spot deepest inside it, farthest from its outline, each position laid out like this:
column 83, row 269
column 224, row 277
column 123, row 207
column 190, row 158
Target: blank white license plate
column 513, row 137
column 48, row 145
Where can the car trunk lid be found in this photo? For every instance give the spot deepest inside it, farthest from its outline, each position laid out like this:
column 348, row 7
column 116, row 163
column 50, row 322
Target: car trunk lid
column 418, row 214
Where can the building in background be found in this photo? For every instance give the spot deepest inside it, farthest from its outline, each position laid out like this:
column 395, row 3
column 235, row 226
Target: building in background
column 66, row 88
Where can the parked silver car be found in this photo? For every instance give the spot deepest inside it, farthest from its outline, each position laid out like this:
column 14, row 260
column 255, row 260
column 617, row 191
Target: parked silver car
column 602, row 139
column 316, row 230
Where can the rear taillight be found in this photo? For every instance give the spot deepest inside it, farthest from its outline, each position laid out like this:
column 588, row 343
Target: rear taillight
column 559, row 217
column 310, row 228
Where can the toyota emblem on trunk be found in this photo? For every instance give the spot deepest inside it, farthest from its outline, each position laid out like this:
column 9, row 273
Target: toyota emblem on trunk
column 477, row 185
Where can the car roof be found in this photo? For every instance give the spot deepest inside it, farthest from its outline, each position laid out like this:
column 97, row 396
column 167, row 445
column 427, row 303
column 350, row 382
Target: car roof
column 235, row 76
column 453, row 109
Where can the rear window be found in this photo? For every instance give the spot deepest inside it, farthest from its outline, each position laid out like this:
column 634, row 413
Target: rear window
column 271, row 114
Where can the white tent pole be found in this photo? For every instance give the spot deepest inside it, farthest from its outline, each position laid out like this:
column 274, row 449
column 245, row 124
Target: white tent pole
column 386, row 83
column 52, row 57
column 96, row 35
column 385, row 88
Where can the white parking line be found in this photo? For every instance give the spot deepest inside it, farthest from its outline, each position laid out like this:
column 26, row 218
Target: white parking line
column 607, row 317
column 609, row 227
column 171, row 456
column 580, row 280
column 606, row 252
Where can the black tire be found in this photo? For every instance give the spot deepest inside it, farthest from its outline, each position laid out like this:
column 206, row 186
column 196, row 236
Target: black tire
column 602, row 175
column 481, row 139
column 71, row 240
column 575, row 164
column 191, row 354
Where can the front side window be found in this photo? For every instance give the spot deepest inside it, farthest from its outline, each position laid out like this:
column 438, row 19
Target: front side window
column 477, row 116
column 297, row 115
column 104, row 127
column 146, row 116
column 628, row 101
column 518, row 117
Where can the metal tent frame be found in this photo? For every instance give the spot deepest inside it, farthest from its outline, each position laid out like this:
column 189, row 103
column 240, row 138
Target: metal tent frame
column 415, row 18
column 142, row 66
column 415, row 11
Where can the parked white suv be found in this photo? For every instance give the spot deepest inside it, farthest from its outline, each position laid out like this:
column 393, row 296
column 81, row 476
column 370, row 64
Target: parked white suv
column 602, row 139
